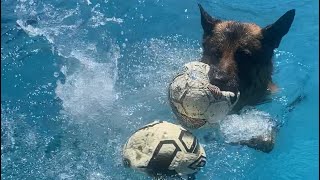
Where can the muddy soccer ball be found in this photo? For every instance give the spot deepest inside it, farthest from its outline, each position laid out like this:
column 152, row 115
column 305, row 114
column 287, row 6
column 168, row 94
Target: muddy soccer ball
column 191, row 100
column 164, row 149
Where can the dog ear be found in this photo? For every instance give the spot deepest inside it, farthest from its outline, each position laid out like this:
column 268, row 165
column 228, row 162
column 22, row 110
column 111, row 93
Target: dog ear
column 207, row 21
column 273, row 33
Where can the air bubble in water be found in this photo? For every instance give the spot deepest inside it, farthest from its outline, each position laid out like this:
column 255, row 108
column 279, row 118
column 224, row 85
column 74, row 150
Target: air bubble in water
column 56, row 74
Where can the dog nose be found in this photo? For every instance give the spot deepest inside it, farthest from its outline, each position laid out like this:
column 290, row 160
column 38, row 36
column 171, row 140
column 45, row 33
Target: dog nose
column 216, row 75
column 223, row 81
column 218, row 80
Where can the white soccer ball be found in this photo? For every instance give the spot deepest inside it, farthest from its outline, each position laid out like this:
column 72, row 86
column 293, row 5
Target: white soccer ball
column 162, row 148
column 193, row 103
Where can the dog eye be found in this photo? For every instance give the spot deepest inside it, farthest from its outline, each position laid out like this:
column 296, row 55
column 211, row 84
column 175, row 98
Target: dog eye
column 244, row 53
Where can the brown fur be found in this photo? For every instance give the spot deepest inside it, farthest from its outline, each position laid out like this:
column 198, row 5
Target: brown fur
column 240, row 55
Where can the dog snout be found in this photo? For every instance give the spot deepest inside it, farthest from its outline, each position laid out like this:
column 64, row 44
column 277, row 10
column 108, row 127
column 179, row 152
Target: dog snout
column 218, row 78
column 222, row 80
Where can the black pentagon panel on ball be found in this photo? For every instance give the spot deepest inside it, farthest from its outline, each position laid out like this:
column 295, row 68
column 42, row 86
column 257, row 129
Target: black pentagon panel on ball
column 187, row 135
column 159, row 163
column 199, row 163
column 126, row 162
column 173, row 153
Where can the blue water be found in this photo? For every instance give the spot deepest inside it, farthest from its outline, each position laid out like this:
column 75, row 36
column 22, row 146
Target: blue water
column 78, row 77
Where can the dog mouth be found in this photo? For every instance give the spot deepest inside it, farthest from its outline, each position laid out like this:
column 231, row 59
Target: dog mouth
column 231, row 96
column 223, row 85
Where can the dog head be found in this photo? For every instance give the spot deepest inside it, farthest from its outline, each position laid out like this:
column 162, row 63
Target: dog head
column 240, row 54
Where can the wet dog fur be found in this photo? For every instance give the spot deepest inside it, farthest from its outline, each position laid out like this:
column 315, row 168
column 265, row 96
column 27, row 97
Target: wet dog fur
column 240, row 55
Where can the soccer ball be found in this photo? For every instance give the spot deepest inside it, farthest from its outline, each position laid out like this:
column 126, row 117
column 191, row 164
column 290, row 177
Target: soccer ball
column 164, row 149
column 191, row 100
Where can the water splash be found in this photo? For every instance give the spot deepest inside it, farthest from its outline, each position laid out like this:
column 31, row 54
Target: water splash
column 248, row 124
column 89, row 74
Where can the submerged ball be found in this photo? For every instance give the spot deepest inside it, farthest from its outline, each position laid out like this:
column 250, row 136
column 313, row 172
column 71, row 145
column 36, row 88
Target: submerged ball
column 192, row 101
column 163, row 148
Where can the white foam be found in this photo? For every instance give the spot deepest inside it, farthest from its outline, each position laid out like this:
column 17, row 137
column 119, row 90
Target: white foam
column 89, row 2
column 88, row 89
column 98, row 19
column 251, row 123
column 87, row 92
column 32, row 31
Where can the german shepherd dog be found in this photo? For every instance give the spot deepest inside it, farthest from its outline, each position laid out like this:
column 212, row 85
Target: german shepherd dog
column 240, row 59
column 240, row 56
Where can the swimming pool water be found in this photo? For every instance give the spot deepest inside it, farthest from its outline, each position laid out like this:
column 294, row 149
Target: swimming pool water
column 78, row 77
